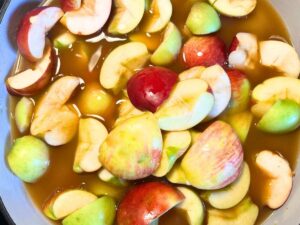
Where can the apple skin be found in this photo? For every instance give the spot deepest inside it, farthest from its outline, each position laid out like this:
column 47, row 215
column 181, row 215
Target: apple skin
column 150, row 87
column 146, row 202
column 70, row 5
column 204, row 51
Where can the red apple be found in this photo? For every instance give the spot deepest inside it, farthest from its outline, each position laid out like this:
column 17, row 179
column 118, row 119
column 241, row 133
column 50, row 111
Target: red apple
column 70, row 5
column 147, row 202
column 150, row 87
column 204, row 51
column 31, row 39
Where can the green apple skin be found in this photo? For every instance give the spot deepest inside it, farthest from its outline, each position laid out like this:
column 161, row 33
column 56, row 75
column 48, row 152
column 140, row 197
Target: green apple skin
column 282, row 117
column 28, row 158
column 203, row 19
column 99, row 212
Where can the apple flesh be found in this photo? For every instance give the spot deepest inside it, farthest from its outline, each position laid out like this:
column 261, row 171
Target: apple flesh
column 177, row 175
column 150, row 87
column 31, row 37
column 70, row 5
column 194, row 72
column 147, row 202
column 23, row 114
column 109, row 178
column 215, row 160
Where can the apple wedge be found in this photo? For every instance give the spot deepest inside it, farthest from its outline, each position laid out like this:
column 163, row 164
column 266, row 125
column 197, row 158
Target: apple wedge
column 64, row 203
column 89, row 18
column 31, row 81
column 109, row 178
column 175, row 145
column 160, row 15
column 31, row 37
column 121, row 64
column 188, row 104
column 281, row 56
column 177, row 175
column 128, row 15
column 23, row 114
column 234, row 8
column 194, row 72
column 92, row 134
column 261, row 108
column 70, row 5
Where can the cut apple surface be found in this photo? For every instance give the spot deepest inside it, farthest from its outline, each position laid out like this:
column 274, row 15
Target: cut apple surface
column 89, row 18
column 31, row 81
column 31, row 37
column 177, row 175
column 70, row 5
column 281, row 56
column 64, row 203
column 188, row 104
column 128, row 15
column 194, row 72
column 121, row 64
column 23, row 114
column 108, row 177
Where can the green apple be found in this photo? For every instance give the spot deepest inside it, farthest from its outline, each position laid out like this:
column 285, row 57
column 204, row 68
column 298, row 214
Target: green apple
column 28, row 158
column 99, row 212
column 169, row 48
column 203, row 19
column 64, row 40
column 177, row 175
column 282, row 117
column 23, row 114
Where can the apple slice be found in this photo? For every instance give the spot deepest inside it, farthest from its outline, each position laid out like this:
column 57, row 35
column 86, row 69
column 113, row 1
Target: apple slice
column 194, row 72
column 188, row 104
column 64, row 203
column 107, row 177
column 177, row 175
column 234, row 8
column 159, row 16
column 127, row 16
column 195, row 134
column 121, row 64
column 174, row 146
column 261, row 108
column 89, row 18
column 23, row 114
column 215, row 160
column 280, row 182
column 31, row 81
column 193, row 206
column 31, row 37
column 281, row 56
column 147, row 202
column 70, row 5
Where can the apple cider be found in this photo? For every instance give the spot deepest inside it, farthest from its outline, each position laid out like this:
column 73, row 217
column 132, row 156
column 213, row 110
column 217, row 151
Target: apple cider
column 85, row 58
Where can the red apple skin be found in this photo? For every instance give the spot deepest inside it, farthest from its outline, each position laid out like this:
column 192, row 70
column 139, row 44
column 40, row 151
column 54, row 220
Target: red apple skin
column 70, row 5
column 147, row 202
column 204, row 51
column 150, row 87
column 234, row 44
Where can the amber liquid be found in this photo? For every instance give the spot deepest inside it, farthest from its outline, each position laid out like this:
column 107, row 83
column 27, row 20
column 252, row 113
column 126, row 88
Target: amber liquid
column 264, row 22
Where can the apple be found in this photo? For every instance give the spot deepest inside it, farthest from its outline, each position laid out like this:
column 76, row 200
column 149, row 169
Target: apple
column 170, row 47
column 28, row 158
column 280, row 178
column 66, row 202
column 146, row 202
column 189, row 104
column 30, row 81
column 194, row 72
column 70, row 5
column 195, row 134
column 150, row 87
column 243, row 52
column 23, row 114
column 281, row 56
column 175, row 145
column 231, row 195
column 204, row 51
column 177, row 175
column 128, row 15
column 215, row 160
column 31, row 37
column 203, row 19
column 100, row 211
column 53, row 119
column 133, row 149
column 92, row 134
column 64, row 40
column 234, row 8
column 120, row 65
column 109, row 178
column 82, row 20
column 261, row 108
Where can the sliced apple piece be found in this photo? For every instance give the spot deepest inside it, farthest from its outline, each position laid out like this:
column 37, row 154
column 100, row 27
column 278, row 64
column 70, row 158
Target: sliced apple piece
column 23, row 114
column 194, row 72
column 234, row 8
column 261, row 108
column 195, row 134
column 31, row 81
column 107, row 177
column 174, row 146
column 31, row 37
column 127, row 16
column 64, row 40
column 188, row 104
column 121, row 64
column 280, row 175
column 169, row 48
column 89, row 18
column 215, row 160
column 177, row 175
column 160, row 15
column 147, row 202
column 70, row 5
column 281, row 56
column 64, row 203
